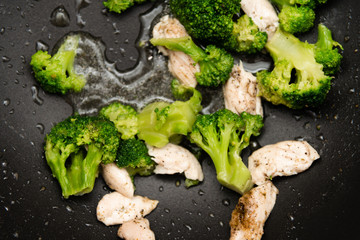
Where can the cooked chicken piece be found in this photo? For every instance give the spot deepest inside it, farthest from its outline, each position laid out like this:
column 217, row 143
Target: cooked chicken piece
column 281, row 159
column 137, row 229
column 175, row 159
column 263, row 14
column 118, row 179
column 114, row 208
column 240, row 92
column 180, row 65
column 249, row 216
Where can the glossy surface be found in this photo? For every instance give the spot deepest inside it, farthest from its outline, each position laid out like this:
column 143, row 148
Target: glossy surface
column 321, row 203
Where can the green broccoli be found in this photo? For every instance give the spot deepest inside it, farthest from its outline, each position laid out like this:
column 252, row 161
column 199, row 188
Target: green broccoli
column 161, row 122
column 212, row 21
column 75, row 148
column 297, row 16
column 120, row 6
column 134, row 157
column 223, row 135
column 215, row 63
column 56, row 74
column 297, row 80
column 124, row 117
column 326, row 51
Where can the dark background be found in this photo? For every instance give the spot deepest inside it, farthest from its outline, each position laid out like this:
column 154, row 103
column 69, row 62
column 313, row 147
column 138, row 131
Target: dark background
column 321, row 203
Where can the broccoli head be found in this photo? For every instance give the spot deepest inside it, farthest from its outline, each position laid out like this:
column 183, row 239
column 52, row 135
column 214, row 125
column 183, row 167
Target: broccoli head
column 161, row 122
column 75, row 148
column 223, row 135
column 298, row 79
column 212, row 21
column 326, row 51
column 215, row 63
column 56, row 73
column 124, row 117
column 134, row 157
column 120, row 6
column 297, row 16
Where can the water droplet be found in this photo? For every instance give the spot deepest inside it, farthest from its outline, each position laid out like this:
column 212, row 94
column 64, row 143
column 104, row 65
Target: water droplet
column 201, row 192
column 226, row 202
column 5, row 59
column 167, row 210
column 161, row 188
column 221, row 223
column 254, row 145
column 321, row 137
column 211, row 215
column 40, row 45
column 291, row 218
column 2, row 30
column 69, row 209
column 299, row 138
column 208, row 228
column 41, row 127
column 60, row 17
column 23, row 59
column 12, row 111
column 79, row 4
column 6, row 102
column 35, row 96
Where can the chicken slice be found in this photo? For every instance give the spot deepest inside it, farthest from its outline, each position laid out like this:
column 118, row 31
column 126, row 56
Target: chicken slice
column 249, row 216
column 114, row 208
column 175, row 159
column 136, row 229
column 263, row 14
column 180, row 64
column 240, row 92
column 118, row 179
column 281, row 159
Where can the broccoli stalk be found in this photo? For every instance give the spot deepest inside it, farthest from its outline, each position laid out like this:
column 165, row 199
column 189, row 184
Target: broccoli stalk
column 120, row 6
column 134, row 157
column 56, row 74
column 161, row 122
column 212, row 21
column 223, row 135
column 215, row 63
column 298, row 79
column 124, row 117
column 75, row 148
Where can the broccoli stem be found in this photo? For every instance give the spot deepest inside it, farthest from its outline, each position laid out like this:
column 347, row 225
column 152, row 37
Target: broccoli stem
column 183, row 44
column 325, row 40
column 91, row 167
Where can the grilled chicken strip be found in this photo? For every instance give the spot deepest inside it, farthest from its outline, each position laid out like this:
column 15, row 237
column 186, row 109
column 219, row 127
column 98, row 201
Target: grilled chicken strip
column 137, row 229
column 175, row 159
column 281, row 159
column 180, row 65
column 240, row 92
column 114, row 208
column 249, row 216
column 118, row 179
column 263, row 14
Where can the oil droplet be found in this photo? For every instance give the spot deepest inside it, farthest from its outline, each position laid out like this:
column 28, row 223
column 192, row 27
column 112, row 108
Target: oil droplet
column 226, row 202
column 42, row 189
column 177, row 183
column 69, row 209
column 79, row 4
column 321, row 137
column 201, row 192
column 5, row 59
column 188, row 226
column 161, row 188
column 221, row 223
column 60, row 17
column 41, row 127
column 167, row 210
column 40, row 45
column 6, row 102
column 35, row 96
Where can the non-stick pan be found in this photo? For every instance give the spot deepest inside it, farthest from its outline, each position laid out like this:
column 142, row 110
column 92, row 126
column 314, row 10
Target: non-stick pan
column 321, row 203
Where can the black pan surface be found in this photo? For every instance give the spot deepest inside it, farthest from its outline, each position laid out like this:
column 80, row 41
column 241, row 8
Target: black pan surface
column 321, row 203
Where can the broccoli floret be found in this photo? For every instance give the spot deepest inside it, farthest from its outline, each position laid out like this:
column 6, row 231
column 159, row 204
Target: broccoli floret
column 124, row 117
column 297, row 16
column 298, row 79
column 161, row 122
column 75, row 148
column 223, row 135
column 120, row 6
column 56, row 74
column 212, row 21
column 326, row 51
column 215, row 63
column 246, row 36
column 134, row 157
